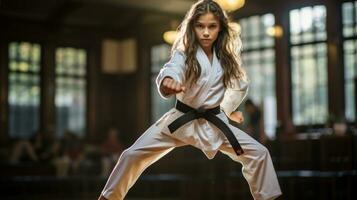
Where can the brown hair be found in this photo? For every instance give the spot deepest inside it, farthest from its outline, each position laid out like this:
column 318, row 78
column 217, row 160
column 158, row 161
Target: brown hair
column 227, row 44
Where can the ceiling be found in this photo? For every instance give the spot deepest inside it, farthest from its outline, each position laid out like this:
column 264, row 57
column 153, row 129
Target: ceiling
column 105, row 13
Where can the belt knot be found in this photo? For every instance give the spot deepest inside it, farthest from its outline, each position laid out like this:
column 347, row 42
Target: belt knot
column 200, row 112
column 208, row 114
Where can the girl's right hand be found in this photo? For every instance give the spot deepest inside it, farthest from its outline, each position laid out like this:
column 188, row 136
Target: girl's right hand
column 170, row 86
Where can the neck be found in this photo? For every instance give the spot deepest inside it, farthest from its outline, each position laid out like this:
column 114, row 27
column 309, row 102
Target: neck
column 208, row 51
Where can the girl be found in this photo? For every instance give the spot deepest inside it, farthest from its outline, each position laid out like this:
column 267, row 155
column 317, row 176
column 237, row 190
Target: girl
column 205, row 74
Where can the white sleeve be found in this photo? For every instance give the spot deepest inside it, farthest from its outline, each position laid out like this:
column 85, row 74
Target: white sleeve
column 234, row 96
column 174, row 68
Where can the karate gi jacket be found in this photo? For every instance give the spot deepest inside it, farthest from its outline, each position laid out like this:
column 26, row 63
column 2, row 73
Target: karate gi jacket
column 207, row 92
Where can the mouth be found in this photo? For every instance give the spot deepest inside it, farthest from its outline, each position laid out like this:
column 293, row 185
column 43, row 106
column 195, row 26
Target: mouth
column 205, row 40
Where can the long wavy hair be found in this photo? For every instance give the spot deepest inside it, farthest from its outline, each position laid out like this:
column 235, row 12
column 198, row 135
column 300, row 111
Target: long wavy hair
column 227, row 45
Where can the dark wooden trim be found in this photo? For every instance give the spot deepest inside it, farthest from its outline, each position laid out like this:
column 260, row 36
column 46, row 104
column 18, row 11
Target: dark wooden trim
column 143, row 85
column 3, row 90
column 283, row 71
column 47, row 107
column 335, row 61
column 93, row 69
column 293, row 4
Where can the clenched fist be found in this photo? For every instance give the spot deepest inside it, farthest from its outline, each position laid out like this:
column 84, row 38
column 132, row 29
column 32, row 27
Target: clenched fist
column 170, row 86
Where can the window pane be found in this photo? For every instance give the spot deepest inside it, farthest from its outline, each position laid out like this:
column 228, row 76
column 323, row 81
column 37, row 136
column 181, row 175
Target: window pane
column 24, row 89
column 347, row 16
column 267, row 21
column 349, row 13
column 308, row 24
column 254, row 30
column 70, row 99
column 350, row 103
column 350, row 58
column 309, row 84
column 319, row 16
column 159, row 56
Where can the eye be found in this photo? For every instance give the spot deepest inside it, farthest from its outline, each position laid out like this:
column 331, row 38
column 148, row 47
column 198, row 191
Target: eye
column 199, row 25
column 213, row 26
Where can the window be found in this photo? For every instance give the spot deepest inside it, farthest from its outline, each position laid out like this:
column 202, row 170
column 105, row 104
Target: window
column 309, row 65
column 349, row 12
column 70, row 97
column 159, row 56
column 259, row 61
column 24, row 88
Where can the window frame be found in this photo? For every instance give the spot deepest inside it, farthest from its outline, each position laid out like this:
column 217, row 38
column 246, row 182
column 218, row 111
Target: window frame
column 300, row 128
column 7, row 72
column 86, row 79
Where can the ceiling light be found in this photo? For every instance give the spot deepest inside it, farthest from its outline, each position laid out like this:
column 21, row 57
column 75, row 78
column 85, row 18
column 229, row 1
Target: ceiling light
column 170, row 36
column 275, row 31
column 231, row 5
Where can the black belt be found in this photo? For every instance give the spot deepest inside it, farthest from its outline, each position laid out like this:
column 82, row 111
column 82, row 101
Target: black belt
column 209, row 115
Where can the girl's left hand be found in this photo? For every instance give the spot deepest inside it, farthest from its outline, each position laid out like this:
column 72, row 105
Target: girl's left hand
column 237, row 116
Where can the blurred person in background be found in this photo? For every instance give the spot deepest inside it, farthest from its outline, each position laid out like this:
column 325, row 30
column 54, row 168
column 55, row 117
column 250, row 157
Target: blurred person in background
column 254, row 123
column 111, row 150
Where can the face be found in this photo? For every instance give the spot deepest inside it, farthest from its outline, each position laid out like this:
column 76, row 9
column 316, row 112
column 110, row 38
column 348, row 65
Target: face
column 206, row 29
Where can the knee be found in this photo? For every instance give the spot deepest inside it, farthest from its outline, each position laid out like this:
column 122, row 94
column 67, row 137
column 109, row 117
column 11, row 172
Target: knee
column 130, row 154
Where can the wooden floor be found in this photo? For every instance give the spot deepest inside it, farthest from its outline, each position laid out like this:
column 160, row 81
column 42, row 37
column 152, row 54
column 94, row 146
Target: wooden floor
column 296, row 185
column 186, row 174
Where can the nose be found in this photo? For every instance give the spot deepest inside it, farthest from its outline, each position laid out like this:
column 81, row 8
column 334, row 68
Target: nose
column 205, row 33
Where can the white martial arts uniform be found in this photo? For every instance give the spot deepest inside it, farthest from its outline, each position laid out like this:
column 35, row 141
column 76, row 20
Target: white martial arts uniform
column 157, row 141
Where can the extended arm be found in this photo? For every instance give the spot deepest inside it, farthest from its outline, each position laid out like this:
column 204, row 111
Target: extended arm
column 171, row 77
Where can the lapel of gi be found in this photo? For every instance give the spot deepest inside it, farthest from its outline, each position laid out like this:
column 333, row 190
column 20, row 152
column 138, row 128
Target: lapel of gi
column 207, row 67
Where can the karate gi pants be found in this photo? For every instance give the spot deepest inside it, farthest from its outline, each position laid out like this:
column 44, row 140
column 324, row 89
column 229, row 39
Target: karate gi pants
column 257, row 169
